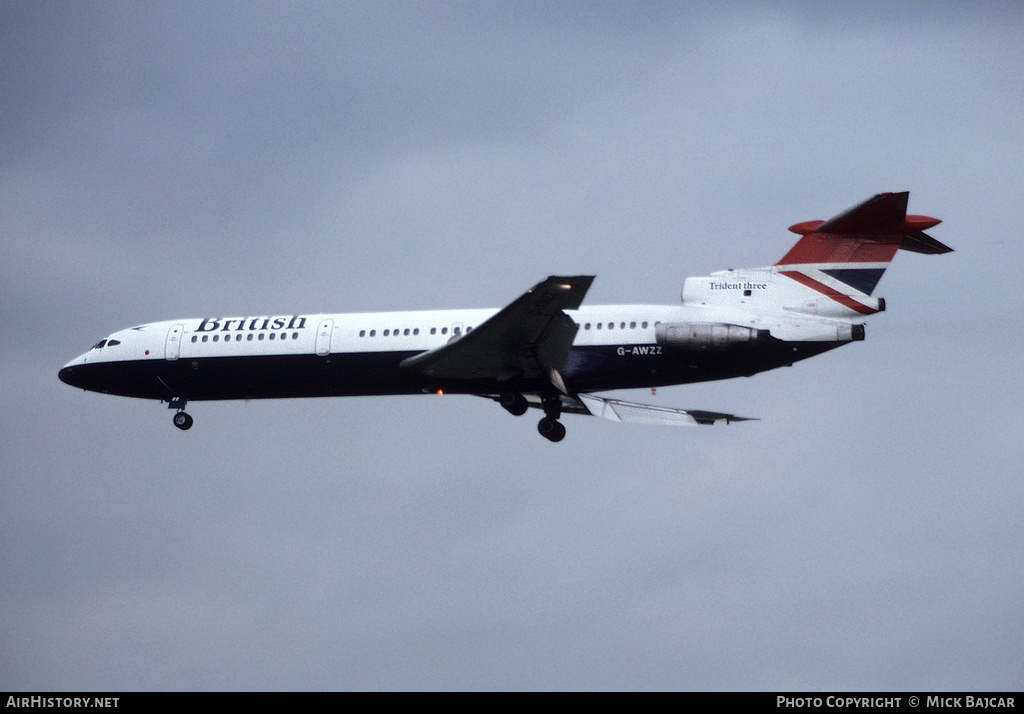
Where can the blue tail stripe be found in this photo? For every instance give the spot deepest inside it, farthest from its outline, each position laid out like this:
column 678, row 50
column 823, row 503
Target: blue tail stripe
column 862, row 279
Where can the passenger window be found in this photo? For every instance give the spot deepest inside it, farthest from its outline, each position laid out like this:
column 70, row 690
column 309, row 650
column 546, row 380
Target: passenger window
column 386, row 332
column 406, row 331
column 373, row 333
column 644, row 324
column 194, row 338
column 444, row 330
column 295, row 335
column 249, row 338
column 362, row 333
column 260, row 338
column 205, row 337
column 433, row 330
column 216, row 337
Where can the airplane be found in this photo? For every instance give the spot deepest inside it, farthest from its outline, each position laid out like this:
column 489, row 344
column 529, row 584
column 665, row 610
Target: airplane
column 545, row 349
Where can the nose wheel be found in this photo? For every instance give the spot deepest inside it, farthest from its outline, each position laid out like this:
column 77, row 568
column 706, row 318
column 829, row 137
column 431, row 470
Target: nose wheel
column 181, row 420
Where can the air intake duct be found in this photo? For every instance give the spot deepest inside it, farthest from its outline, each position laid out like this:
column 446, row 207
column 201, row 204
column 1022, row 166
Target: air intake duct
column 706, row 336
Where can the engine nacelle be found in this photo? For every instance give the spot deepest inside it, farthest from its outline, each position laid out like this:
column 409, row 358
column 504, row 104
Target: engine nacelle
column 797, row 329
column 707, row 336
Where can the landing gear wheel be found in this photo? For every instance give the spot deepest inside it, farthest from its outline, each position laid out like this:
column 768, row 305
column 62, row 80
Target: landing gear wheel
column 514, row 402
column 183, row 421
column 551, row 429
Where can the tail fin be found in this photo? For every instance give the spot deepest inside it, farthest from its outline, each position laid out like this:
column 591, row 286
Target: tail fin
column 846, row 256
column 821, row 289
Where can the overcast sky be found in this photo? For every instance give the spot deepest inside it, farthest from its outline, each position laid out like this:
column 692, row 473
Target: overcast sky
column 170, row 160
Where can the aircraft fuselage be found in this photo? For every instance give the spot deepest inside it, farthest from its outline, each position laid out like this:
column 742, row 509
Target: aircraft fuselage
column 361, row 355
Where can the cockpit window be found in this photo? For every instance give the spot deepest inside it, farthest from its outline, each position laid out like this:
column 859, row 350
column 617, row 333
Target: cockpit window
column 99, row 345
column 111, row 343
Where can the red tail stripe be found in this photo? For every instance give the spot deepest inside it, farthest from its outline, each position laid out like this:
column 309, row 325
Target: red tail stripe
column 839, row 297
column 825, row 248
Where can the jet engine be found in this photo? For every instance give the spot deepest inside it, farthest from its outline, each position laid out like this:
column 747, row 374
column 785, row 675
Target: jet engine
column 707, row 336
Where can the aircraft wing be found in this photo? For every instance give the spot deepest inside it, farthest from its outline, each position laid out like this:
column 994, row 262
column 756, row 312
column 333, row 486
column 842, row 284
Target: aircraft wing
column 530, row 338
column 633, row 413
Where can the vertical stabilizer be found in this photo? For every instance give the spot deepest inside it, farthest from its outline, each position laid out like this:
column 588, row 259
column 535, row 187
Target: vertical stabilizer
column 844, row 257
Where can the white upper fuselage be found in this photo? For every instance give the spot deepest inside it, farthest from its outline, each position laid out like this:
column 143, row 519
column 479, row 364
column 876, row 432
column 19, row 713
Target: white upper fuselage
column 407, row 331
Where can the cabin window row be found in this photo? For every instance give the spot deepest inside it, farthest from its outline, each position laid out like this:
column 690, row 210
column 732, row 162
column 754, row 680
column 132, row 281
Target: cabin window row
column 611, row 325
column 456, row 331
column 249, row 337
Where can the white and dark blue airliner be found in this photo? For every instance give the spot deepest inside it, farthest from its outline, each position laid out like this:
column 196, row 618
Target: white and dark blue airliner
column 543, row 350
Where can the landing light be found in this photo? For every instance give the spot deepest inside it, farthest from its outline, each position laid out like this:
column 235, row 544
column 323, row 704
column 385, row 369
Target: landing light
column 440, row 392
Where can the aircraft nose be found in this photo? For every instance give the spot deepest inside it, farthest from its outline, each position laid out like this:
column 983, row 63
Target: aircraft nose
column 67, row 375
column 71, row 373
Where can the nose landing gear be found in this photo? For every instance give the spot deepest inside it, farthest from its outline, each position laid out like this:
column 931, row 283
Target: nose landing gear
column 181, row 420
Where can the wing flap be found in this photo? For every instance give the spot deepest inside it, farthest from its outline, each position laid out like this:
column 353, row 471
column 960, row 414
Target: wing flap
column 634, row 413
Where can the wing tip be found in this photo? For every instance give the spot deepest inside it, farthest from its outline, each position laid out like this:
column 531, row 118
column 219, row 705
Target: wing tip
column 709, row 418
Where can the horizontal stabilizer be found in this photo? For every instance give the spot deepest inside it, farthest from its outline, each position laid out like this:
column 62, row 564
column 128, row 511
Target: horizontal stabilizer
column 921, row 242
column 880, row 213
column 869, row 232
column 633, row 413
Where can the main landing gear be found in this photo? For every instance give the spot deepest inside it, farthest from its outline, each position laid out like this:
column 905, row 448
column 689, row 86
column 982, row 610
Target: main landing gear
column 514, row 402
column 549, row 427
column 181, row 420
